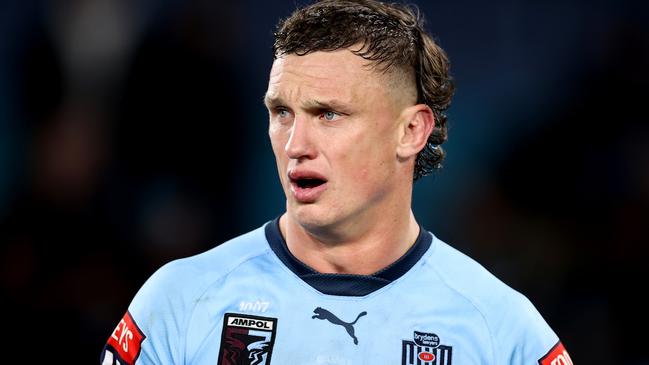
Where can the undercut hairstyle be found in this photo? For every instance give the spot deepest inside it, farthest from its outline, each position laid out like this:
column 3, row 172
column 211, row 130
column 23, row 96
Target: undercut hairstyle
column 393, row 39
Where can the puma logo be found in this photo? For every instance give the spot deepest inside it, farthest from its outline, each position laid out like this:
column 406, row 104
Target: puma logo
column 321, row 313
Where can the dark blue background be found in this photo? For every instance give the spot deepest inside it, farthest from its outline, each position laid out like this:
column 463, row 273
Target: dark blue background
column 133, row 132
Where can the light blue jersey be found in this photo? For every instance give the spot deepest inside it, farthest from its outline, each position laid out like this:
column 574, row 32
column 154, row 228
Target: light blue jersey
column 249, row 301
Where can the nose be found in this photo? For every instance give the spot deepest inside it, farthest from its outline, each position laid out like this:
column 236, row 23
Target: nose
column 300, row 144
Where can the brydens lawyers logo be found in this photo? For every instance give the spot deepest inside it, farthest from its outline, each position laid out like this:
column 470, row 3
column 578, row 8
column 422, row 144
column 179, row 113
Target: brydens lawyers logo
column 425, row 349
column 556, row 356
column 247, row 340
column 124, row 343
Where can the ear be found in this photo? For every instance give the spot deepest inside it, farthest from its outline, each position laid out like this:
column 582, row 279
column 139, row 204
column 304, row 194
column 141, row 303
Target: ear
column 417, row 123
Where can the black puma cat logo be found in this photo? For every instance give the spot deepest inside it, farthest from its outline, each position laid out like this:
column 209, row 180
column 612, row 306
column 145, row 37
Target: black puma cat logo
column 321, row 313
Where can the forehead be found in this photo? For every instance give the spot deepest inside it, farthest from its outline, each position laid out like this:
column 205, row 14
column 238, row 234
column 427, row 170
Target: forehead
column 339, row 73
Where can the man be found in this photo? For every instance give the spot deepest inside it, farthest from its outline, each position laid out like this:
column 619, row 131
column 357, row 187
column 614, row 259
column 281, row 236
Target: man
column 356, row 101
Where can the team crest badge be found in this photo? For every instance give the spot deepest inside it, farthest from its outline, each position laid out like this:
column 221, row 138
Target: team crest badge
column 247, row 340
column 425, row 349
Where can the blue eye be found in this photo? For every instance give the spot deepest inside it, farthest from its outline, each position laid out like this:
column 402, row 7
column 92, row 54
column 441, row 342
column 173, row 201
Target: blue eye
column 330, row 115
column 282, row 113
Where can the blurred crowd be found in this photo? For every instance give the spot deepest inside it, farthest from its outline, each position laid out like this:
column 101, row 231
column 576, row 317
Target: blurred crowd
column 133, row 133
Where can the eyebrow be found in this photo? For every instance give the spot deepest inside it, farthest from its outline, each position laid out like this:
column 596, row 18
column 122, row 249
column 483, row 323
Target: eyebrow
column 271, row 101
column 333, row 104
column 313, row 104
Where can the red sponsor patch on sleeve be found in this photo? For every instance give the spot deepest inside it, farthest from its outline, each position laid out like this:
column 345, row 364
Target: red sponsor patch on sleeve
column 126, row 340
column 556, row 356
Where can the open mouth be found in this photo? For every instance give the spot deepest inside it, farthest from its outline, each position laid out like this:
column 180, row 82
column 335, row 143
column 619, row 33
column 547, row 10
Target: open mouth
column 308, row 183
column 307, row 186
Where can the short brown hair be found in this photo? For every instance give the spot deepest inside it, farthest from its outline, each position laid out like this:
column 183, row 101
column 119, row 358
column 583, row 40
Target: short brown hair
column 392, row 37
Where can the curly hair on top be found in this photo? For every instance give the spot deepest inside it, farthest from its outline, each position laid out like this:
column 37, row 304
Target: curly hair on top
column 392, row 36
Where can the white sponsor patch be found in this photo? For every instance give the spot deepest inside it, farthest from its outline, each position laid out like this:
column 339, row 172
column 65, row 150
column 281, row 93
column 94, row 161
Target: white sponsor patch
column 253, row 323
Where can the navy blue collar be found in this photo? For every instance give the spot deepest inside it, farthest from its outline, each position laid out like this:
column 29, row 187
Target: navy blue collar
column 346, row 284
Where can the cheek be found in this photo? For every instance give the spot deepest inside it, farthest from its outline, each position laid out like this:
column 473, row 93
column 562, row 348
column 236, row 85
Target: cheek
column 357, row 165
column 277, row 142
column 371, row 164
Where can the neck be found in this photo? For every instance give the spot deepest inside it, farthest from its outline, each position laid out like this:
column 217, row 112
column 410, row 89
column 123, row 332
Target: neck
column 361, row 252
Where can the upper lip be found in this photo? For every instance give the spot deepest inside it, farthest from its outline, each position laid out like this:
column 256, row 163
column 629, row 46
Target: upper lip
column 295, row 175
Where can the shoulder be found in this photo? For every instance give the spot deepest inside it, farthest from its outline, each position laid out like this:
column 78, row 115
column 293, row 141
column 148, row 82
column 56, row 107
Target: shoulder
column 513, row 322
column 188, row 277
column 221, row 259
column 470, row 280
column 164, row 304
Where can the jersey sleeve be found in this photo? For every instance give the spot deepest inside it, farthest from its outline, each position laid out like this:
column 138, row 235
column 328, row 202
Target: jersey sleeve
column 524, row 337
column 151, row 331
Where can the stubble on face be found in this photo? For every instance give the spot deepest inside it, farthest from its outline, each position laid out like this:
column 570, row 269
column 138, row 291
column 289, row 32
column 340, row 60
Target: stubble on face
column 357, row 153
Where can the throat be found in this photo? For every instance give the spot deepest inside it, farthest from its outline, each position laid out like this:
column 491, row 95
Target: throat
column 348, row 248
column 360, row 284
column 358, row 257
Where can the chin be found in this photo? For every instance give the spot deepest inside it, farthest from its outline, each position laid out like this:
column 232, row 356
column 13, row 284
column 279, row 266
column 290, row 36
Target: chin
column 311, row 217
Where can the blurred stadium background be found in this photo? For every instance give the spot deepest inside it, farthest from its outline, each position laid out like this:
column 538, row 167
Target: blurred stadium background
column 133, row 133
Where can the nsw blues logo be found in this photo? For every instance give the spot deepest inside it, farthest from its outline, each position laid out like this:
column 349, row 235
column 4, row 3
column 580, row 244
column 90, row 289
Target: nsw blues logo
column 247, row 340
column 425, row 349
